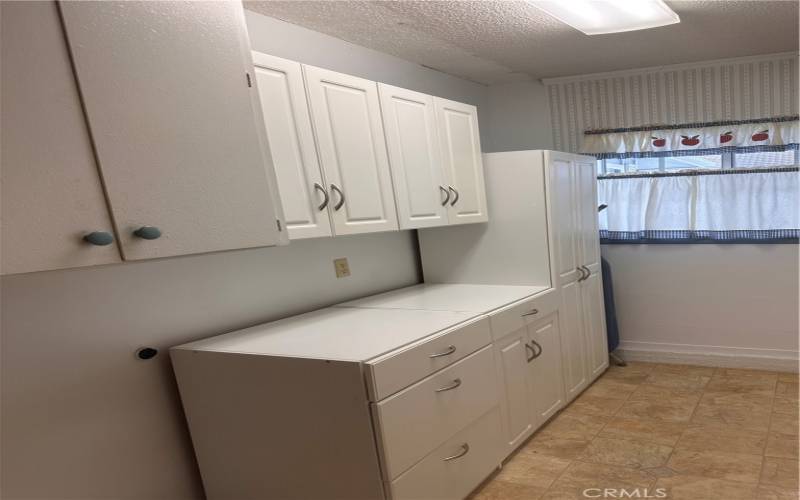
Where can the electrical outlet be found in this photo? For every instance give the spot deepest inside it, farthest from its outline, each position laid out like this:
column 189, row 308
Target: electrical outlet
column 342, row 267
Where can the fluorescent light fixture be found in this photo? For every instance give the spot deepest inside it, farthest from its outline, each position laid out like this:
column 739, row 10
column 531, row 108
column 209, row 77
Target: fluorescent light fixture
column 598, row 17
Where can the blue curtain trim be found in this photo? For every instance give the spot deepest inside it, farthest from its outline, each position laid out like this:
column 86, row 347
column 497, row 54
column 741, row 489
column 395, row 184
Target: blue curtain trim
column 776, row 119
column 687, row 236
column 695, row 173
column 700, row 152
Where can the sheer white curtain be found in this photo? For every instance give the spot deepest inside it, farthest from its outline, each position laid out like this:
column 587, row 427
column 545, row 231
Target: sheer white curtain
column 719, row 206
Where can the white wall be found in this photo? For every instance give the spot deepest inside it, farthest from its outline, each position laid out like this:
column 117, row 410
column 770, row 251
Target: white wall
column 82, row 417
column 517, row 117
column 728, row 300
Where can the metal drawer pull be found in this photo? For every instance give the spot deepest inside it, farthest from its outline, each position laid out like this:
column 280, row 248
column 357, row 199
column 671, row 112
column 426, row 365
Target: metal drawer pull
column 455, row 195
column 324, row 204
column 532, row 351
column 456, row 383
column 341, row 197
column 446, row 195
column 588, row 272
column 536, row 344
column 99, row 238
column 148, row 233
column 531, row 312
column 464, row 451
column 450, row 350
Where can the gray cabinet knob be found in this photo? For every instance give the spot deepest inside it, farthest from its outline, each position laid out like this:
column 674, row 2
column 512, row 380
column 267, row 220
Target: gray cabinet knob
column 148, row 233
column 99, row 238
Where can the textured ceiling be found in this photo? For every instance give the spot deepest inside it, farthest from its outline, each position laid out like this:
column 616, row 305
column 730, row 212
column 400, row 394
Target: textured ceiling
column 502, row 41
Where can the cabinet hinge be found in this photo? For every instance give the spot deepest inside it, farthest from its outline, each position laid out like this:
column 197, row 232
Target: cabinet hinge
column 249, row 81
column 280, row 227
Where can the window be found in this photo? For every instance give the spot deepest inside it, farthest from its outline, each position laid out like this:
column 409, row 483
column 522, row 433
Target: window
column 765, row 159
column 713, row 162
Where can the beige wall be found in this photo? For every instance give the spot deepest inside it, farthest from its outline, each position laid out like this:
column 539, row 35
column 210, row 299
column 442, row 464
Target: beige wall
column 707, row 299
column 517, row 118
column 82, row 416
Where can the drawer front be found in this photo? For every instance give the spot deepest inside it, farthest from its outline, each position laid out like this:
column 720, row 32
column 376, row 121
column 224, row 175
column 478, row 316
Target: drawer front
column 437, row 477
column 391, row 373
column 514, row 316
column 415, row 421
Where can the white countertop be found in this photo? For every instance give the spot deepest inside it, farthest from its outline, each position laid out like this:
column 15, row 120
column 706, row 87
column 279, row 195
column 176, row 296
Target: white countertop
column 335, row 333
column 446, row 297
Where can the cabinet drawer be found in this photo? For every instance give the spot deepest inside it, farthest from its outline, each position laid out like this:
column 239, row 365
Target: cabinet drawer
column 514, row 316
column 415, row 421
column 436, row 477
column 390, row 373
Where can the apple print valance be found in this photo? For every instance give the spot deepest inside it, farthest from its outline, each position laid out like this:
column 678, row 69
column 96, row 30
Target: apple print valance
column 766, row 134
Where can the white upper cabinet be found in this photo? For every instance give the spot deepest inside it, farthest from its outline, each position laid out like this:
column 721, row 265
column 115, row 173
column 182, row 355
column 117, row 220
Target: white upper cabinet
column 51, row 192
column 168, row 97
column 346, row 114
column 420, row 189
column 564, row 216
column 304, row 193
column 461, row 150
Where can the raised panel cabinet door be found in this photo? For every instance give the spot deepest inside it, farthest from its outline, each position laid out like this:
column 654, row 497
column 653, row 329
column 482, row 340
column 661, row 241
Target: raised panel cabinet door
column 169, row 99
column 461, row 151
column 547, row 383
column 346, row 114
column 415, row 157
column 573, row 341
column 511, row 360
column 586, row 184
column 51, row 191
column 564, row 206
column 303, row 192
column 594, row 324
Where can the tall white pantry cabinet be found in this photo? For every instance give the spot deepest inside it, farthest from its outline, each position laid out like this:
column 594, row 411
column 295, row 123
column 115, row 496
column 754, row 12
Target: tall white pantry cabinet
column 543, row 232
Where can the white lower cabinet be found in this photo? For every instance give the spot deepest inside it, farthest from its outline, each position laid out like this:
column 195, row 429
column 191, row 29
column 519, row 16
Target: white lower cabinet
column 546, row 381
column 511, row 354
column 573, row 344
column 457, row 466
column 419, row 399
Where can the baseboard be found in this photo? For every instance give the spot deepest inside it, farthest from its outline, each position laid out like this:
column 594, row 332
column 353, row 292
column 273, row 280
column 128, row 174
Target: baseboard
column 703, row 355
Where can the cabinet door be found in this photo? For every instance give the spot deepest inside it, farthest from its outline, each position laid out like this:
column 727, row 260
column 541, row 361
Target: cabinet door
column 461, row 150
column 345, row 111
column 414, row 157
column 573, row 343
column 166, row 91
column 564, row 216
column 586, row 185
column 547, row 383
column 51, row 191
column 594, row 324
column 511, row 360
column 304, row 194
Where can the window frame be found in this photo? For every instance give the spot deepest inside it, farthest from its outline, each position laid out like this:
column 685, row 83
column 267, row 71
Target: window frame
column 728, row 162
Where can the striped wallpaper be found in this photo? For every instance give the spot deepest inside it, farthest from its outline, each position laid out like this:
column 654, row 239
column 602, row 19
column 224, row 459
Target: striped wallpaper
column 730, row 89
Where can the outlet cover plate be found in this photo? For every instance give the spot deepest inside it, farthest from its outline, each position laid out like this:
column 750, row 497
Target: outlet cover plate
column 342, row 267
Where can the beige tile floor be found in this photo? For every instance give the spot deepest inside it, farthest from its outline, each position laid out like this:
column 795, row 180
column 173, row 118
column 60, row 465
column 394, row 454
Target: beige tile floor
column 698, row 433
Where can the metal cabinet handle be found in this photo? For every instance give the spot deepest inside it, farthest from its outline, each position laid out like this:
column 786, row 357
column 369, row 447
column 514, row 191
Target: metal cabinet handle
column 446, row 195
column 99, row 238
column 582, row 270
column 450, row 387
column 455, row 195
column 588, row 272
column 325, row 195
column 532, row 353
column 148, row 233
column 341, row 197
column 531, row 312
column 450, row 350
column 464, row 451
column 536, row 344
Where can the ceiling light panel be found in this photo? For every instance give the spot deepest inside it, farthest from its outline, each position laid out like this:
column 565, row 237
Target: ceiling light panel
column 598, row 17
